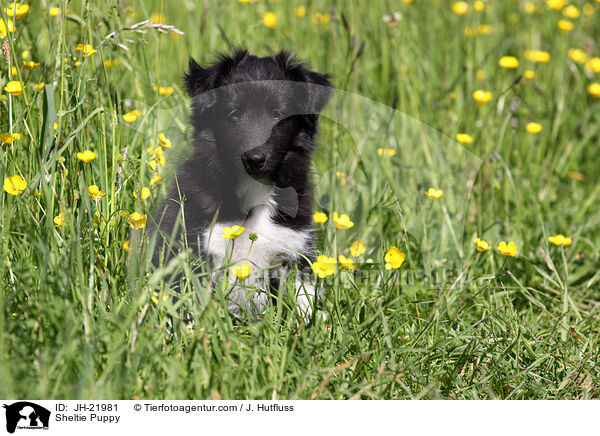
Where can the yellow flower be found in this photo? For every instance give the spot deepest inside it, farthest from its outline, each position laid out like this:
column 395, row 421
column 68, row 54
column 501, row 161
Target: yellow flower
column 14, row 185
column 464, row 138
column 560, row 240
column 538, row 56
column 324, row 266
column 509, row 249
column 164, row 142
column 242, row 271
column 25, row 54
column 594, row 89
column 319, row 18
column 137, row 220
column 157, row 18
column 529, row 74
column 434, row 194
column 14, row 88
column 571, row 12
column 577, row 55
column 588, row 9
column 394, row 258
column 270, row 20
column 232, row 232
column 460, row 8
column 557, row 5
column 157, row 296
column 357, row 248
column 39, row 86
column 95, row 193
column 163, row 91
column 534, row 128
column 7, row 138
column 470, row 32
column 593, row 65
column 300, row 11
column 30, row 65
column 53, row 12
column 16, row 10
column 485, row 29
column 565, row 26
column 342, row 221
column 126, row 245
column 87, row 156
column 480, row 75
column 387, row 151
column 346, row 262
column 508, row 62
column 86, row 50
column 5, row 27
column 145, row 193
column 320, row 217
column 479, row 5
column 529, row 8
column 482, row 97
column 130, row 117
column 482, row 245
column 59, row 219
column 156, row 179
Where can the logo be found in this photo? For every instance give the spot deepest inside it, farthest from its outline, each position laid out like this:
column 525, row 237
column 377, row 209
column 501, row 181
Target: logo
column 26, row 415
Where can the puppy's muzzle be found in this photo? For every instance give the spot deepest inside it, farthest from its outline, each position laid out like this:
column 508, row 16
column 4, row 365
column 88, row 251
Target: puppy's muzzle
column 254, row 162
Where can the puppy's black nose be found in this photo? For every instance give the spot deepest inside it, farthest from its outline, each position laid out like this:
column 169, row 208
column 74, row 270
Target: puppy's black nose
column 254, row 159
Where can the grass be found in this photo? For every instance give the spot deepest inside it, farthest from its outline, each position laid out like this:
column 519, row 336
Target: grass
column 78, row 320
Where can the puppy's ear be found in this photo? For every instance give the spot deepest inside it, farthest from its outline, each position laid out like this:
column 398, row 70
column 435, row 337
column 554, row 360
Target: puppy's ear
column 317, row 96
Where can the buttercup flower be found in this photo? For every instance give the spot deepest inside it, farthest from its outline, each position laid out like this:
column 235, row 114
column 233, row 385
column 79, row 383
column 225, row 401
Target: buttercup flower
column 560, row 240
column 508, row 62
column 324, row 266
column 157, row 18
column 130, row 117
column 386, row 151
column 357, row 248
column 30, row 65
column 577, row 55
column 342, row 221
column 39, row 86
column 164, row 142
column 156, row 179
column 87, row 156
column 594, row 89
column 534, row 128
column 145, row 193
column 59, row 219
column 464, row 138
column 5, row 27
column 509, row 249
column 242, row 271
column 538, row 56
column 15, row 185
column 319, row 18
column 270, row 20
column 16, row 10
column 482, row 97
column 320, row 217
column 232, row 232
column 564, row 26
column 485, row 29
column 7, row 138
column 95, row 193
column 593, row 65
column 136, row 220
column 481, row 245
column 157, row 296
column 126, row 245
column 346, row 262
column 86, row 50
column 529, row 74
column 14, row 88
column 460, row 8
column 557, row 5
column 300, row 11
column 571, row 12
column 434, row 194
column 53, row 12
column 394, row 258
column 478, row 5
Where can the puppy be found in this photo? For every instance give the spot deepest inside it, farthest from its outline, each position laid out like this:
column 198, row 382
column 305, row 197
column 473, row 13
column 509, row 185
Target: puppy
column 254, row 126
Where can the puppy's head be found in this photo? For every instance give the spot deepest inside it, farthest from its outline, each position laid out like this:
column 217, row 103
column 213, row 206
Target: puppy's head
column 256, row 109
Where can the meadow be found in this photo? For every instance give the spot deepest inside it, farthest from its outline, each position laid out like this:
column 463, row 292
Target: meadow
column 461, row 143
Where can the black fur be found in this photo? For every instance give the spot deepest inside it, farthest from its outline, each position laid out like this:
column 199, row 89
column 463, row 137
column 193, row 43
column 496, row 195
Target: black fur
column 248, row 115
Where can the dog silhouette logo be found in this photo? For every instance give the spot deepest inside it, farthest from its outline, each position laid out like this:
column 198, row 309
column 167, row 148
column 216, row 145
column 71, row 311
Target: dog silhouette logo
column 26, row 415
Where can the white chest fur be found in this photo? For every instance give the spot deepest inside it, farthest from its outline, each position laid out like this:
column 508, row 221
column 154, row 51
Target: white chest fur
column 273, row 242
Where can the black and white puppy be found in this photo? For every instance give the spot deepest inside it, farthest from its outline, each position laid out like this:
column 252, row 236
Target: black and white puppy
column 255, row 121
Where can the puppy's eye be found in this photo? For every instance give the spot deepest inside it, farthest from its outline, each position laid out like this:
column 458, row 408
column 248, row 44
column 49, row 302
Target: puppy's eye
column 235, row 113
column 277, row 114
